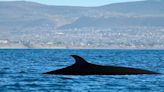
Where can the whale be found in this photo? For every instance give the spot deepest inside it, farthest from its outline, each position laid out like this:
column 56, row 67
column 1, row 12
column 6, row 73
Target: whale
column 82, row 67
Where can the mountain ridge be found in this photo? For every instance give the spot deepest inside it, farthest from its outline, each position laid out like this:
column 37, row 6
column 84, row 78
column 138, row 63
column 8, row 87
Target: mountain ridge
column 33, row 23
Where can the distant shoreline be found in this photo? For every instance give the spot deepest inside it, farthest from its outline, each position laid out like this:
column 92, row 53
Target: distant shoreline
column 45, row 46
column 92, row 48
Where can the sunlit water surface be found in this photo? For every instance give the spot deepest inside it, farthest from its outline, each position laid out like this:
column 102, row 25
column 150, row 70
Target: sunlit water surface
column 21, row 70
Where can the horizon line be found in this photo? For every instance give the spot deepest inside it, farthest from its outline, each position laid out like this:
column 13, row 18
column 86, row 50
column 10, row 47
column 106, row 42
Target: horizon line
column 71, row 5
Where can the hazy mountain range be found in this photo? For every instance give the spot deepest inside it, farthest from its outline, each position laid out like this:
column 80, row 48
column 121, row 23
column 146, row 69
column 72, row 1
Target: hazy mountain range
column 34, row 23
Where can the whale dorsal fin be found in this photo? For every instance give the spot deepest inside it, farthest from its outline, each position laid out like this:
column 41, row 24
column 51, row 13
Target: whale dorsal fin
column 79, row 60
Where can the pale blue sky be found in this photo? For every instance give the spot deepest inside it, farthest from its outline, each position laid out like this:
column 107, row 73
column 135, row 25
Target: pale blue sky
column 77, row 2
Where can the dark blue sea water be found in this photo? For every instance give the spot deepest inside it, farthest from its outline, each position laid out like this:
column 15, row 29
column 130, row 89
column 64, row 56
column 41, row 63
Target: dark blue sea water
column 21, row 70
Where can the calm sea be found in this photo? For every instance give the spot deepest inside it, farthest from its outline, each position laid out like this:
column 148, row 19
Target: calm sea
column 21, row 70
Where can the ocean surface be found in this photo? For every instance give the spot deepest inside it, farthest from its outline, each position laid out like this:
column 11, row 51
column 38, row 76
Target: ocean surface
column 21, row 70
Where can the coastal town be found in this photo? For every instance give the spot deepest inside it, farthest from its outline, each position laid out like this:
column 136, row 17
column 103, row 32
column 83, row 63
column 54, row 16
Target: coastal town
column 25, row 24
column 136, row 38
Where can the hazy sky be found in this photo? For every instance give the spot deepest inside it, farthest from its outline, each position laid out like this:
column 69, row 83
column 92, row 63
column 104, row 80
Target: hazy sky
column 77, row 2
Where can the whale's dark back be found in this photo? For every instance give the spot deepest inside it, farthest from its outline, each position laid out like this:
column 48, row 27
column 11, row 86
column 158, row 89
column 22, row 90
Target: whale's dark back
column 82, row 67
